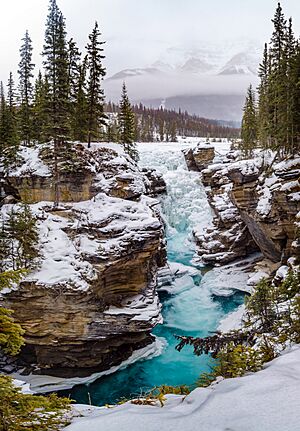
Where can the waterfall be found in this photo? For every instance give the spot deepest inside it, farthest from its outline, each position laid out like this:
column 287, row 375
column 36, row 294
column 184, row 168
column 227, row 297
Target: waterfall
column 189, row 307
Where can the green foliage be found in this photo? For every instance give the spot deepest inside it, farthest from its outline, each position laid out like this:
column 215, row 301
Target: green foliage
column 23, row 412
column 56, row 71
column 9, row 140
column 11, row 334
column 249, row 124
column 279, row 90
column 26, row 89
column 234, row 361
column 95, row 94
column 22, row 235
column 127, row 125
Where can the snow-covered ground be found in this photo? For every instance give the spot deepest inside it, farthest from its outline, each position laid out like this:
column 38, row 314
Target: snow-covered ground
column 264, row 401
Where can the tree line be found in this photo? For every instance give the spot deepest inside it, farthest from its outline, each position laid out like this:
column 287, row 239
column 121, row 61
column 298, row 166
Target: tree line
column 159, row 124
column 65, row 102
column 273, row 120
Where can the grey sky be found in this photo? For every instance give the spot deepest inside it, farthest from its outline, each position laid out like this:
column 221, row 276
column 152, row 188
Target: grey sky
column 137, row 32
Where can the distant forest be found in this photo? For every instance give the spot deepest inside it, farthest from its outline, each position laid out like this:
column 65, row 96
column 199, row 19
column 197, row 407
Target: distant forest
column 158, row 124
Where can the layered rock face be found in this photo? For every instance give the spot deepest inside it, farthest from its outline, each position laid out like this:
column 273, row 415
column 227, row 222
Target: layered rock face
column 91, row 301
column 82, row 174
column 268, row 204
column 256, row 203
column 200, row 157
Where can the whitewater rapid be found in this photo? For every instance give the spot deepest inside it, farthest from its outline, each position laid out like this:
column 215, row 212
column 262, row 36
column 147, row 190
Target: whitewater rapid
column 189, row 306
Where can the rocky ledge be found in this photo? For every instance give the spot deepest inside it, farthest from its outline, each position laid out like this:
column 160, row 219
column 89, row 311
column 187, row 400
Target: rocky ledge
column 256, row 204
column 200, row 157
column 91, row 300
column 83, row 173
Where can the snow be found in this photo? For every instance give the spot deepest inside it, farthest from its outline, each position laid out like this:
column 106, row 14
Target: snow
column 118, row 222
column 233, row 321
column 141, row 307
column 25, row 387
column 264, row 204
column 44, row 383
column 264, row 401
column 257, row 277
column 225, row 280
column 32, row 164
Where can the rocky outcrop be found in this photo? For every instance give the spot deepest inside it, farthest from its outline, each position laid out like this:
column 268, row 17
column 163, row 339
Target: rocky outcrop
column 83, row 173
column 199, row 157
column 91, row 299
column 256, row 203
column 268, row 204
column 156, row 184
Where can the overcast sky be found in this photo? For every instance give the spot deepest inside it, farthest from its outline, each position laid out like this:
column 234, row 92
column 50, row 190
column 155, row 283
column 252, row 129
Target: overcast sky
column 137, row 32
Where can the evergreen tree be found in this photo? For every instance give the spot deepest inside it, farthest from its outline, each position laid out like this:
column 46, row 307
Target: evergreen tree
column 56, row 73
column 73, row 69
column 249, row 124
column 295, row 108
column 9, row 141
column 26, row 89
column 277, row 79
column 263, row 103
column 40, row 112
column 95, row 94
column 80, row 115
column 22, row 233
column 127, row 125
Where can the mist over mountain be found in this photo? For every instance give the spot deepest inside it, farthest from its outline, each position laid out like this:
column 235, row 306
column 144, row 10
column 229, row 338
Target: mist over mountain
column 208, row 80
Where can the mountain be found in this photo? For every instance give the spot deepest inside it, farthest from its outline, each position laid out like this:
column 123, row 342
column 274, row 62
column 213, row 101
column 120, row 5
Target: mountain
column 209, row 79
column 129, row 73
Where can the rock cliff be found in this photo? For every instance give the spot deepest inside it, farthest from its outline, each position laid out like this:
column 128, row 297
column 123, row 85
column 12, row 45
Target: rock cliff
column 91, row 300
column 256, row 203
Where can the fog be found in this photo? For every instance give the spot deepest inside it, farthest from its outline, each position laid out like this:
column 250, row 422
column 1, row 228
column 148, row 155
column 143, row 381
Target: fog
column 139, row 32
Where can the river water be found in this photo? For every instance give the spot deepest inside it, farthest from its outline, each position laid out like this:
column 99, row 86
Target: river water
column 191, row 309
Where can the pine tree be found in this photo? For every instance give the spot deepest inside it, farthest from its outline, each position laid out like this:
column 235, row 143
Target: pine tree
column 9, row 140
column 26, row 89
column 295, row 108
column 79, row 121
column 40, row 113
column 127, row 125
column 249, row 124
column 95, row 94
column 22, row 233
column 56, row 73
column 277, row 79
column 263, row 103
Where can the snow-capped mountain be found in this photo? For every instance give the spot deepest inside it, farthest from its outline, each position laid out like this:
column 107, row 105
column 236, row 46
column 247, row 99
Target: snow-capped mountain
column 209, row 73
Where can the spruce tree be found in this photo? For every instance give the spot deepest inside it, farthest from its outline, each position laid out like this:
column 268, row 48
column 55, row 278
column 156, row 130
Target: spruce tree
column 56, row 73
column 26, row 89
column 79, row 121
column 277, row 79
column 95, row 93
column 127, row 125
column 40, row 112
column 249, row 124
column 263, row 119
column 9, row 140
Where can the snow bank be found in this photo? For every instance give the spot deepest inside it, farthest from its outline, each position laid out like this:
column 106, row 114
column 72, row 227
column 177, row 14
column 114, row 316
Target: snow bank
column 264, row 401
column 232, row 321
column 225, row 280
